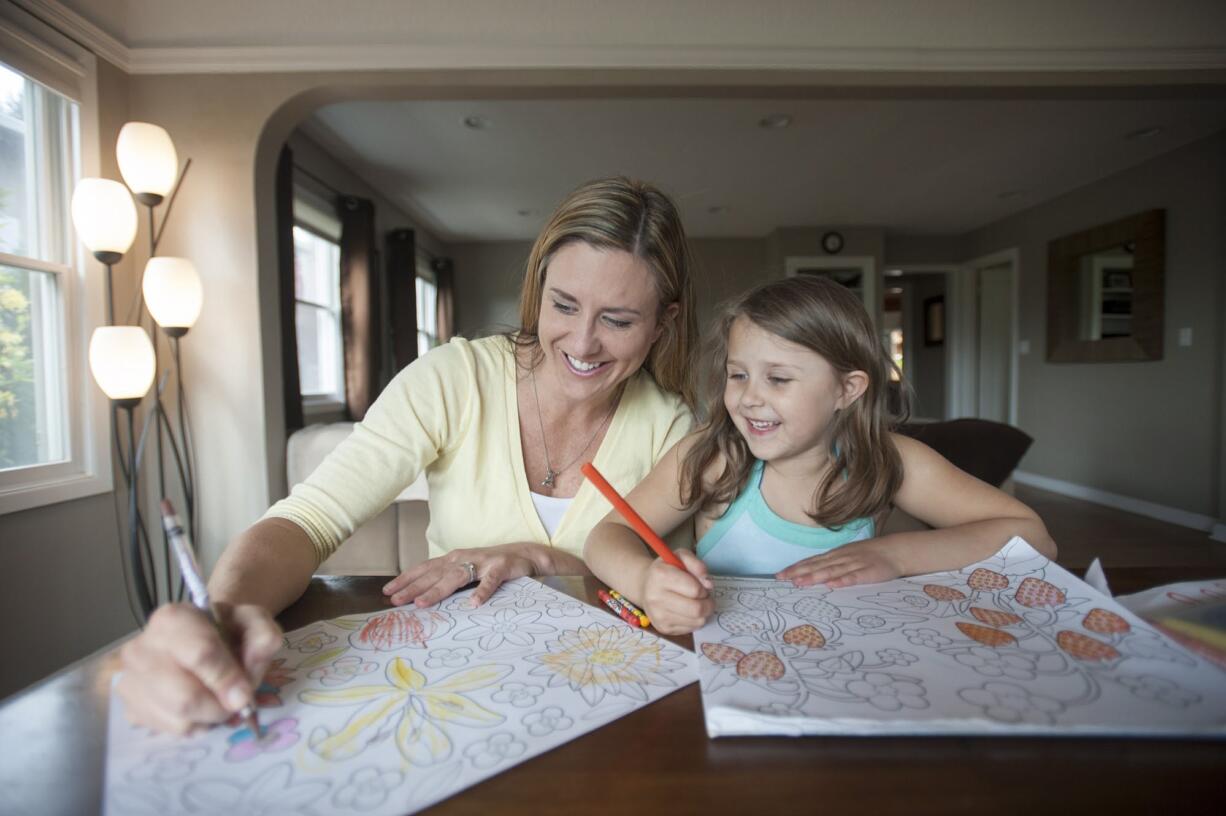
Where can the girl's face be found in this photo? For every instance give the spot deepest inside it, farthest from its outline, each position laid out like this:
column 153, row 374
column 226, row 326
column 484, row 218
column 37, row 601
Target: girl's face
column 600, row 314
column 782, row 396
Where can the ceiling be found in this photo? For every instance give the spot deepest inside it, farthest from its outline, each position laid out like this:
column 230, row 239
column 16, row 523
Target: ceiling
column 925, row 166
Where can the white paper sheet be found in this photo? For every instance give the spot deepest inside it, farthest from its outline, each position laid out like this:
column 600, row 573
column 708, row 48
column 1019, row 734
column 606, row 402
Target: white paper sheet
column 388, row 712
column 1172, row 599
column 1012, row 645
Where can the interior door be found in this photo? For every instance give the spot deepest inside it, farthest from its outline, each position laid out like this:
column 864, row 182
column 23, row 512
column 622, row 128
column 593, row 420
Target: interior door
column 995, row 346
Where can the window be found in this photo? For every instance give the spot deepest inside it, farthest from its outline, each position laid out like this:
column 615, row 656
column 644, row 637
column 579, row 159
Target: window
column 317, row 315
column 40, row 441
column 427, row 313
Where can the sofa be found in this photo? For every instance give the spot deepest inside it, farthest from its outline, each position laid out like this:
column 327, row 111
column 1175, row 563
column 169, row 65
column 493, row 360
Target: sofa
column 395, row 539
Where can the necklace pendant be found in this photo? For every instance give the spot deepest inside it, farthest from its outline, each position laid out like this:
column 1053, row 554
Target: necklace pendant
column 550, row 476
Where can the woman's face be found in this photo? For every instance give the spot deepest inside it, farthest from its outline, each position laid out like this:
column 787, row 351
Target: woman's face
column 600, row 315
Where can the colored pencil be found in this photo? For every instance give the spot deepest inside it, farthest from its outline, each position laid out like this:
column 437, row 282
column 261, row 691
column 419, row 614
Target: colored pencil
column 635, row 520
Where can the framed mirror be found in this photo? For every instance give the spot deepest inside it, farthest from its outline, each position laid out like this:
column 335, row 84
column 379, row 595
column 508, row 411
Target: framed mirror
column 1105, row 292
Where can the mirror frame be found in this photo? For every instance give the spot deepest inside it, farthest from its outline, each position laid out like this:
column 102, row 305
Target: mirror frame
column 1147, row 232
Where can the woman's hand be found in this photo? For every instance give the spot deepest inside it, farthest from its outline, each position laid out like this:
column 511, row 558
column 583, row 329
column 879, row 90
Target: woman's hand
column 431, row 581
column 861, row 562
column 677, row 601
column 178, row 673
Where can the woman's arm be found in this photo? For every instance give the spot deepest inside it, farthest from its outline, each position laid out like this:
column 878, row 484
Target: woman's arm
column 676, row 601
column 973, row 520
column 268, row 565
column 433, row 580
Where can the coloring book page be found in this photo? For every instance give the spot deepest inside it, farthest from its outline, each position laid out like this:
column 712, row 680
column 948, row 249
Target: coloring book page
column 389, row 712
column 1011, row 645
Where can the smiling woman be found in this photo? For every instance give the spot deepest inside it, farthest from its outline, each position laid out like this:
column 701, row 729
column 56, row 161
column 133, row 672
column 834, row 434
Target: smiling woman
column 599, row 370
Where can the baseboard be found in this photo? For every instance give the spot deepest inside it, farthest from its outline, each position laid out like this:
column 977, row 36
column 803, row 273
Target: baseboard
column 1171, row 515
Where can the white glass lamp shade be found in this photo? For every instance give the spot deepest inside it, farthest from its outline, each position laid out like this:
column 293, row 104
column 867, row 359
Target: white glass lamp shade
column 147, row 161
column 121, row 359
column 173, row 293
column 105, row 217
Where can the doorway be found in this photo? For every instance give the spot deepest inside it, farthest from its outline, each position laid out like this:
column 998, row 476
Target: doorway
column 984, row 377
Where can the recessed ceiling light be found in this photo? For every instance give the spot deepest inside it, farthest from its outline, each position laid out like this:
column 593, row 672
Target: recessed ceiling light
column 1143, row 133
column 1008, row 194
column 893, row 273
column 776, row 121
column 477, row 123
column 525, row 211
column 716, row 209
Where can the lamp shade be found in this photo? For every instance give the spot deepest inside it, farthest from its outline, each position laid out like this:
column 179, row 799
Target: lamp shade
column 121, row 359
column 147, row 159
column 104, row 215
column 172, row 292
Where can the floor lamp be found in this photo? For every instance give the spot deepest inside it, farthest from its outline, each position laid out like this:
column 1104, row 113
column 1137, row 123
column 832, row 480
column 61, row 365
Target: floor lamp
column 125, row 359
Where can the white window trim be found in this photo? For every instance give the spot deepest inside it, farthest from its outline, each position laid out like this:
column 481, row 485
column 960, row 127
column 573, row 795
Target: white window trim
column 46, row 56
column 320, row 406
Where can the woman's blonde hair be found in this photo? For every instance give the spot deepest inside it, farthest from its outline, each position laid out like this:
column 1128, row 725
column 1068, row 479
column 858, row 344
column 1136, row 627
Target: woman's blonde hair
column 826, row 318
column 635, row 217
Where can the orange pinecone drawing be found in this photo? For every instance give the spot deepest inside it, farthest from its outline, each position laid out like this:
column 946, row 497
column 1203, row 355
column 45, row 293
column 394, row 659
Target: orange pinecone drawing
column 987, row 579
column 943, row 593
column 1104, row 622
column 986, row 635
column 721, row 653
column 1084, row 647
column 805, row 635
column 1037, row 592
column 759, row 666
column 994, row 617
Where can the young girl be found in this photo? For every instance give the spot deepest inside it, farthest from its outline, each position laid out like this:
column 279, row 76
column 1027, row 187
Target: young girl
column 796, row 468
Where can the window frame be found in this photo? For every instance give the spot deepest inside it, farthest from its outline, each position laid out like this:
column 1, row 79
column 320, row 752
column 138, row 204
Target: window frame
column 318, row 405
column 424, row 273
column 34, row 49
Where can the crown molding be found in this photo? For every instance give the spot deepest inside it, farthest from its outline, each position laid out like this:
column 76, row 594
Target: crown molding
column 80, row 30
column 391, row 57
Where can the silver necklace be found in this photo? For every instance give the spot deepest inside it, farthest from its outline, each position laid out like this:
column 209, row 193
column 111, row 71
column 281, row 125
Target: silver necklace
column 551, row 475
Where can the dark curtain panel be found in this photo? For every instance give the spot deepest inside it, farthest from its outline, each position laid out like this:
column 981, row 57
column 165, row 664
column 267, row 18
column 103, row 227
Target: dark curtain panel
column 444, row 279
column 291, row 389
column 359, row 305
column 402, row 287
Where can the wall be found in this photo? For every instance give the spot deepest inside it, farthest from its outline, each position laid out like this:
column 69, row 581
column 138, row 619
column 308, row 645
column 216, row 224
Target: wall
column 1149, row 430
column 925, row 365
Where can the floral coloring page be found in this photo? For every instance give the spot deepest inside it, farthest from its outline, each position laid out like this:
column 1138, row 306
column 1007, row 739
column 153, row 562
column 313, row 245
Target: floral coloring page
column 392, row 711
column 1011, row 645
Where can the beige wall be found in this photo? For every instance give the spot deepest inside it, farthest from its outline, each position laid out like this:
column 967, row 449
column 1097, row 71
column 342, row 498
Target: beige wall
column 1148, row 430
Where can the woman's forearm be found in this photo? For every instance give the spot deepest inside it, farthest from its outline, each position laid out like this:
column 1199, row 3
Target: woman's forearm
column 270, row 564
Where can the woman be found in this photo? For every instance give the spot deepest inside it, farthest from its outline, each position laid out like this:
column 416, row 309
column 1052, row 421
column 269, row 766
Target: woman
column 599, row 370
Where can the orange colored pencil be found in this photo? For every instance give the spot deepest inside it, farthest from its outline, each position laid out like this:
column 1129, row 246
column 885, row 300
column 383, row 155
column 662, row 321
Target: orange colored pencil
column 636, row 521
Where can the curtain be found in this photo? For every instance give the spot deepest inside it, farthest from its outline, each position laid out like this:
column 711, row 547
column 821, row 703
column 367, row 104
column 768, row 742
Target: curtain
column 402, row 286
column 359, row 305
column 291, row 392
column 444, row 279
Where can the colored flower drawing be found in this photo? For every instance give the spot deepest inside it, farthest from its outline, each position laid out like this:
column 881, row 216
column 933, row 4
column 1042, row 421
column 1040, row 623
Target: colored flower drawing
column 273, row 791
column 277, row 677
column 401, row 628
column 367, row 788
column 546, row 721
column 597, row 659
column 417, row 710
column 495, row 750
column 505, row 626
column 276, row 737
column 343, row 670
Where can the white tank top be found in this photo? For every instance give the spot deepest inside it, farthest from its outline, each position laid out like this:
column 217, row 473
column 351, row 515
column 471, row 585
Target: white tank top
column 551, row 510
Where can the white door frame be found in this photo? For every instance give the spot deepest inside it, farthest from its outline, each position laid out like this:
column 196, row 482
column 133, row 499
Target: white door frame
column 950, row 271
column 870, row 290
column 963, row 314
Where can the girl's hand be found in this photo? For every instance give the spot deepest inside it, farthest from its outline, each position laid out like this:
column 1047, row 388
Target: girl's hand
column 431, row 581
column 178, row 674
column 677, row 602
column 862, row 562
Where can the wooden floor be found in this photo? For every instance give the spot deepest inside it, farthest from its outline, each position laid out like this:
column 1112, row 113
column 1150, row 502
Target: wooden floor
column 1083, row 530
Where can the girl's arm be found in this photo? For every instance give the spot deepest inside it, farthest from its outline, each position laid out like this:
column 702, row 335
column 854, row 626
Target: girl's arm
column 973, row 520
column 676, row 601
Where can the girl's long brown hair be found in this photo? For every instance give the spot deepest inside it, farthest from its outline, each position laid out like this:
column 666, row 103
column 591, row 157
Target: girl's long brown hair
column 635, row 217
column 826, row 318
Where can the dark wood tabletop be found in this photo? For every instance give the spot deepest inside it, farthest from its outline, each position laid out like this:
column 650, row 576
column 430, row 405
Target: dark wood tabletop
column 659, row 760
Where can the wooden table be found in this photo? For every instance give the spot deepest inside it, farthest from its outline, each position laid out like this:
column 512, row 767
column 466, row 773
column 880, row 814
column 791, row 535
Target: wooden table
column 659, row 759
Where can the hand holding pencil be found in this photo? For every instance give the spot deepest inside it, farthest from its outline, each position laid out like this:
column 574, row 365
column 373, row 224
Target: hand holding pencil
column 675, row 588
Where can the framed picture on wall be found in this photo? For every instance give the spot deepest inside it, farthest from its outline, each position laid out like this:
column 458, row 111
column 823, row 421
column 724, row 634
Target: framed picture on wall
column 934, row 321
